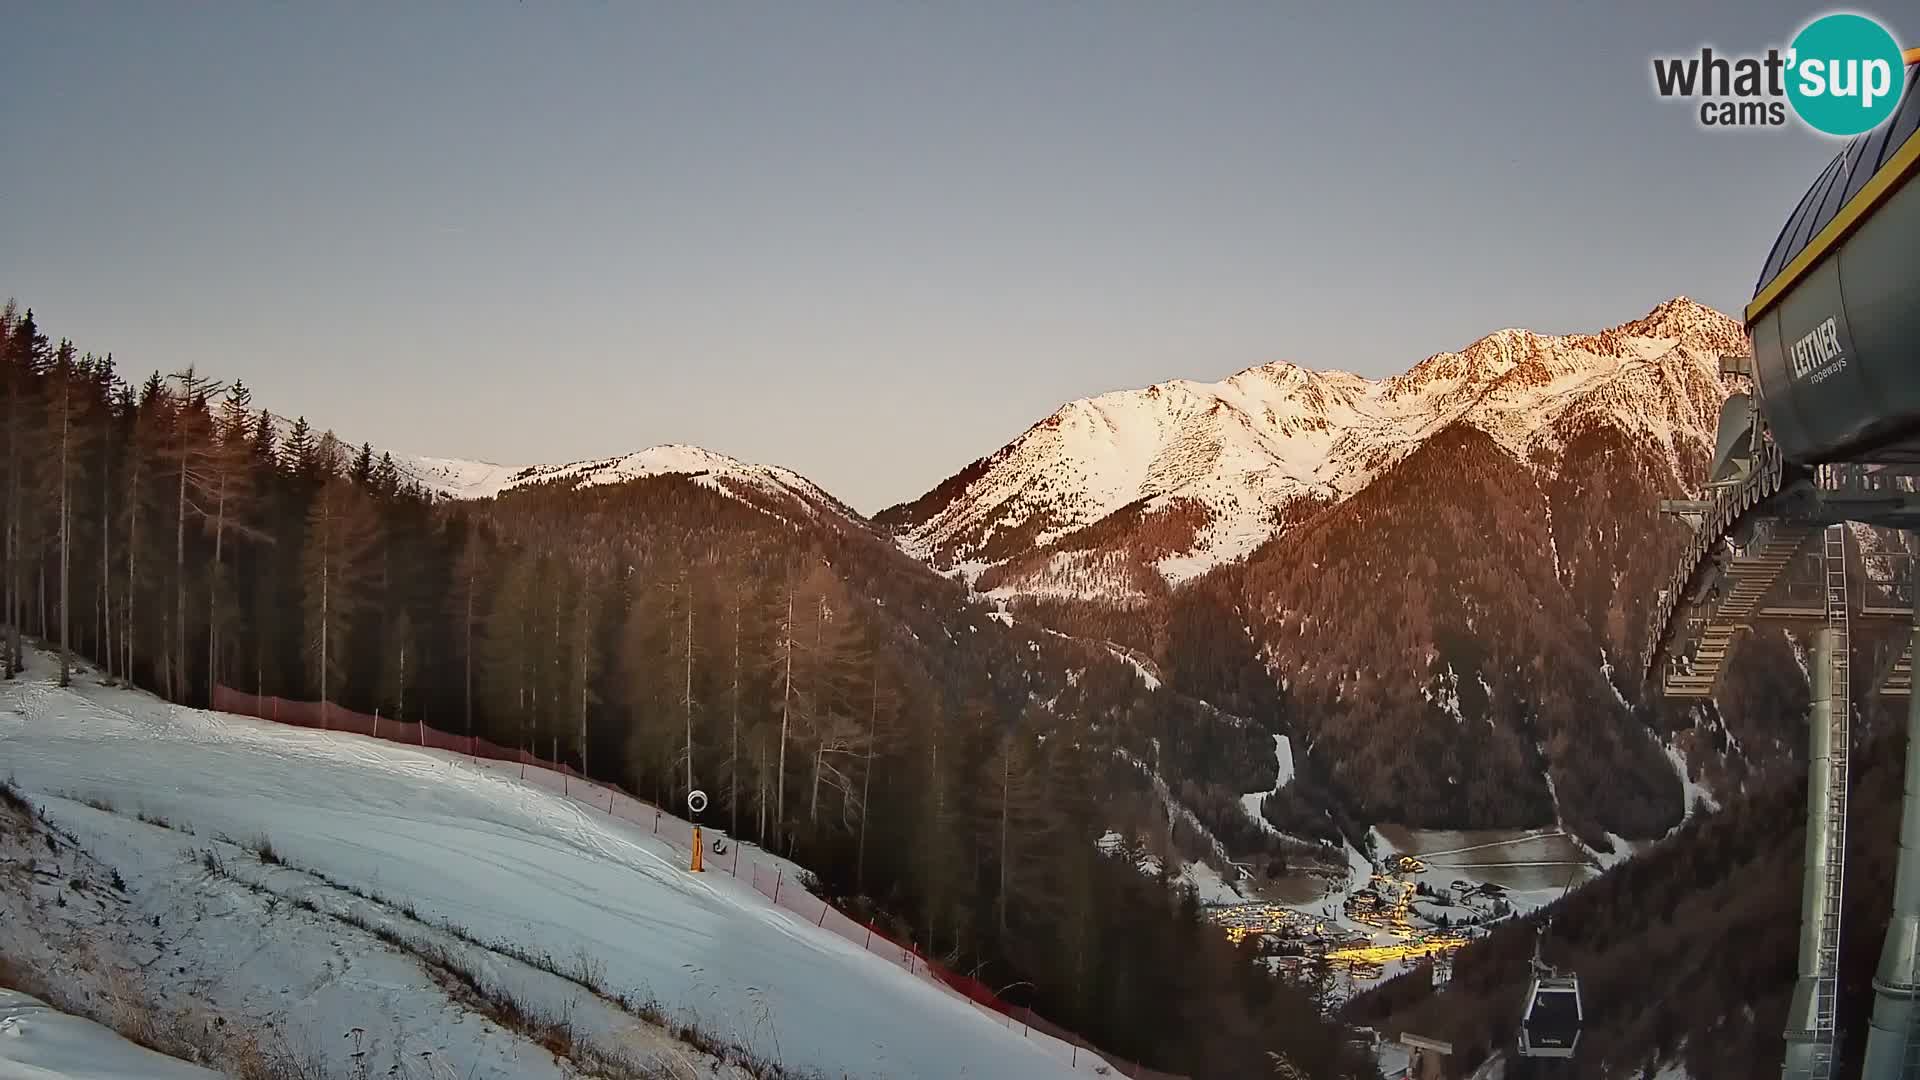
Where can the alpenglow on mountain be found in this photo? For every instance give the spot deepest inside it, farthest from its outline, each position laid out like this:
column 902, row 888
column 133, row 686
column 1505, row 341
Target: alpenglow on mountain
column 1115, row 497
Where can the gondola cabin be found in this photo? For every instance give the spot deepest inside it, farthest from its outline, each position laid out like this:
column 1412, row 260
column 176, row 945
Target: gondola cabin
column 1551, row 1026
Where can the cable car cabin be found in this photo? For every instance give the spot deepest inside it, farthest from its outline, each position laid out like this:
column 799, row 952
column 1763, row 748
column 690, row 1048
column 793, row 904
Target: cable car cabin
column 1551, row 1026
column 1835, row 318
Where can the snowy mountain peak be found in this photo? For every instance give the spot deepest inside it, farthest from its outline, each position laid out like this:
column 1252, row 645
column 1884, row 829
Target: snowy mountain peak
column 1690, row 323
column 770, row 487
column 1120, row 494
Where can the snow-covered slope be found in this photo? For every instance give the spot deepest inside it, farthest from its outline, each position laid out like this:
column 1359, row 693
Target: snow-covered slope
column 379, row 830
column 1188, row 475
column 39, row 1042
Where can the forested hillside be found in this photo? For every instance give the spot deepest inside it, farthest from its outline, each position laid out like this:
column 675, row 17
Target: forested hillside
column 1686, row 952
column 1437, row 583
column 941, row 765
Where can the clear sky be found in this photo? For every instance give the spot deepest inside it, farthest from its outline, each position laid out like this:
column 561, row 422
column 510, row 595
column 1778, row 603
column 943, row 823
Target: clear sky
column 868, row 241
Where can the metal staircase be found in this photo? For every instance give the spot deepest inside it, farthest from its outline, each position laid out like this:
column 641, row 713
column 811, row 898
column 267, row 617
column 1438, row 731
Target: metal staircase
column 1747, row 579
column 1833, row 871
column 1899, row 680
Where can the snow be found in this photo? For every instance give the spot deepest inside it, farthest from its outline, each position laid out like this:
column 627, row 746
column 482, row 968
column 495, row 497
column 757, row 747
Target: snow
column 39, row 1042
column 1359, row 869
column 456, row 478
column 1695, row 791
column 1283, row 759
column 1147, row 677
column 479, row 480
column 1208, row 886
column 461, row 478
column 503, row 860
column 1394, row 1060
column 1237, row 453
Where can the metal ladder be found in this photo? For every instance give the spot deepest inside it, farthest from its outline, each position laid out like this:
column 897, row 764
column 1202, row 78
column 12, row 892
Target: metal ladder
column 1833, row 874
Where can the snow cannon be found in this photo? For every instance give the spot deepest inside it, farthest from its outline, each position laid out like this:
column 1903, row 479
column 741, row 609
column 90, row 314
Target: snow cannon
column 696, row 805
column 1835, row 317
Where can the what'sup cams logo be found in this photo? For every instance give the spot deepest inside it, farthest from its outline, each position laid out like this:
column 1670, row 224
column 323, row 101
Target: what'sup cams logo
column 1842, row 75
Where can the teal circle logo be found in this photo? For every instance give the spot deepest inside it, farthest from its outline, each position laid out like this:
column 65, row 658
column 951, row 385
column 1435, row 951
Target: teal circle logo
column 1844, row 74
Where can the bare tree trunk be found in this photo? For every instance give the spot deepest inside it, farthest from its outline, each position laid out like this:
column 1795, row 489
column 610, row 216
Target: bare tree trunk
column 326, row 569
column 687, row 700
column 133, row 545
column 177, row 672
column 761, row 800
column 469, row 651
column 786, row 709
column 213, row 583
column 13, row 518
column 813, row 800
column 733, row 752
column 1006, row 779
column 66, row 644
column 106, row 554
column 866, row 782
column 586, row 671
column 819, row 708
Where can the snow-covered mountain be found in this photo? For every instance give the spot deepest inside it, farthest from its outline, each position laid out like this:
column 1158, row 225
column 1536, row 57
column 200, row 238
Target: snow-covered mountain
column 1116, row 496
column 772, row 488
column 769, row 486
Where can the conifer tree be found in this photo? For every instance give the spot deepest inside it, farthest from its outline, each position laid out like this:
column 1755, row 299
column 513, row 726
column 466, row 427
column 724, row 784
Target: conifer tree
column 341, row 532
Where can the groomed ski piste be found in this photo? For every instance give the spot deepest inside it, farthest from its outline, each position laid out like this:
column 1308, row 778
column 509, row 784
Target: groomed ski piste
column 405, row 893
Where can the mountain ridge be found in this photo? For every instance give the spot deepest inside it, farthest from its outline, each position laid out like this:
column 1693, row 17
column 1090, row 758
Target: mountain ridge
column 1215, row 470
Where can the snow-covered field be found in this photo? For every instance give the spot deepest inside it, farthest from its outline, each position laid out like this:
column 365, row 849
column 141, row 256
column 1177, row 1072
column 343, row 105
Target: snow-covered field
column 429, row 849
column 39, row 1042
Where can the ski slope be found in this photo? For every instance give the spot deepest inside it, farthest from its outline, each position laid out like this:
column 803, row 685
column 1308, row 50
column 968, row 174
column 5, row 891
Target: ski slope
column 39, row 1042
column 505, row 861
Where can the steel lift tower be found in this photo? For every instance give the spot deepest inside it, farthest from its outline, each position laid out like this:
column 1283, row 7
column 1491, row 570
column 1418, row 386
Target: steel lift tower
column 1828, row 435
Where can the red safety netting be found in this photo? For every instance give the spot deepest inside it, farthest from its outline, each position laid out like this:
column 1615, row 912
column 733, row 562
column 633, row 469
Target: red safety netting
column 772, row 878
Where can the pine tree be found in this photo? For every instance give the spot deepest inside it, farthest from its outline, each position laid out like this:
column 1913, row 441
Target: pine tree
column 509, row 647
column 341, row 532
column 188, row 454
column 832, row 668
column 394, row 672
column 789, row 704
column 465, row 605
column 687, row 648
column 152, row 420
column 68, row 421
column 882, row 706
column 301, row 452
column 584, row 662
column 1018, row 819
column 224, row 485
column 650, row 653
column 26, row 360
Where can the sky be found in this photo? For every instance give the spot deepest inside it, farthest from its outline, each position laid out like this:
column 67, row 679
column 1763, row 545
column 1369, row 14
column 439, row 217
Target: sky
column 871, row 242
